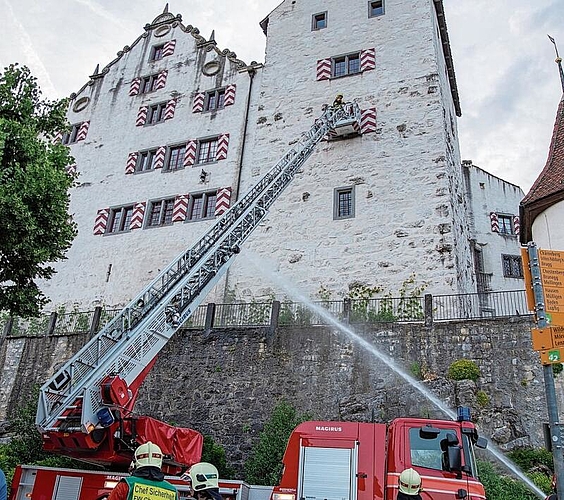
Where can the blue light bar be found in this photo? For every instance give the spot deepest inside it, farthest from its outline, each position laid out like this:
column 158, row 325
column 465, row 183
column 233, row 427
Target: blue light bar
column 463, row 414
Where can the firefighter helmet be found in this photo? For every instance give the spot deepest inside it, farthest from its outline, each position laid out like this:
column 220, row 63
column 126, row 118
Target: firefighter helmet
column 410, row 482
column 203, row 476
column 148, row 455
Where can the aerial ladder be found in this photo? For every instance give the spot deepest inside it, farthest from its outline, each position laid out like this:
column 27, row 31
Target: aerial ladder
column 86, row 409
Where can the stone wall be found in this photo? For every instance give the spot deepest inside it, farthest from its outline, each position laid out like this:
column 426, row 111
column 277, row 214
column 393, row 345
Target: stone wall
column 226, row 383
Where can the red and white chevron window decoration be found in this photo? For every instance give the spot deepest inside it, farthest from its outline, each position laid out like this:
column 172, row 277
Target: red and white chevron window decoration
column 222, row 145
column 324, row 69
column 169, row 109
column 141, row 116
column 180, row 208
column 137, row 215
column 161, row 80
column 368, row 120
column 222, row 200
column 101, row 221
column 168, row 48
column 131, row 162
column 160, row 157
column 367, row 59
column 190, row 154
column 229, row 95
column 135, row 86
column 198, row 104
column 516, row 224
column 82, row 131
column 494, row 221
column 58, row 137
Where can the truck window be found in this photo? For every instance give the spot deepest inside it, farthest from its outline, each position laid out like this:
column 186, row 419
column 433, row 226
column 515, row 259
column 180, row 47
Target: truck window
column 426, row 452
column 327, row 473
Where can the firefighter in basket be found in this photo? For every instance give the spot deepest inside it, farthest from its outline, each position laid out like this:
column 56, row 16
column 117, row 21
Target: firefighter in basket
column 146, row 479
column 409, row 485
column 205, row 481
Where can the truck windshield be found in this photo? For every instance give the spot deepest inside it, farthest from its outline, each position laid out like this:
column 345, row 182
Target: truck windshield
column 427, row 452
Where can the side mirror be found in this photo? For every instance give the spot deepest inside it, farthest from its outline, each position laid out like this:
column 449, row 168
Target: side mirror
column 454, row 457
column 481, row 443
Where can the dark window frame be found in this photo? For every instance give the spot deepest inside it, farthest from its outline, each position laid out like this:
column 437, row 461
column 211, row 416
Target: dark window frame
column 214, row 99
column 319, row 21
column 201, row 206
column 201, row 149
column 344, row 203
column 148, row 83
column 512, row 266
column 376, row 8
column 160, row 212
column 350, row 64
column 70, row 136
column 146, row 161
column 505, row 222
column 157, row 110
column 176, row 154
column 120, row 216
column 157, row 52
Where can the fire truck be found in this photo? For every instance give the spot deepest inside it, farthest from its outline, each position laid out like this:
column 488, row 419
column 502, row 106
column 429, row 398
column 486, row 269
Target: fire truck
column 85, row 410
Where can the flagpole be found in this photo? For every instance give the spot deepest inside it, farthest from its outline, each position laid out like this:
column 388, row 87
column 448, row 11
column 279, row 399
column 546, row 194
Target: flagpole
column 558, row 61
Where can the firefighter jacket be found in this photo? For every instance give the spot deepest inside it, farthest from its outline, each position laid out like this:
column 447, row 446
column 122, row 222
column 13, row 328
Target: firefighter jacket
column 144, row 484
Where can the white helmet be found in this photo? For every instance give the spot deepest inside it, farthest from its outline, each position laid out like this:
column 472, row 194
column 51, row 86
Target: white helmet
column 203, row 476
column 410, row 482
column 148, row 455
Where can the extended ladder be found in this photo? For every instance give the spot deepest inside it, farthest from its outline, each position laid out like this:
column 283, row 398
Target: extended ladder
column 71, row 399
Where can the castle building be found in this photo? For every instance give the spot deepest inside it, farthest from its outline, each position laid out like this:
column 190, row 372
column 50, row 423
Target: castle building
column 175, row 130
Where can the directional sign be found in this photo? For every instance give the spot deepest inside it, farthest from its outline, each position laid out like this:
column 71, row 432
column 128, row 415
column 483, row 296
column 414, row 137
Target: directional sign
column 542, row 339
column 552, row 356
column 552, row 275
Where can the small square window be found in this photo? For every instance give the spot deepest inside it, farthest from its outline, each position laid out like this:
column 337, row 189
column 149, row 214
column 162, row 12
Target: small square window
column 70, row 136
column 215, row 99
column 155, row 113
column 148, row 84
column 207, row 150
column 119, row 219
column 512, row 266
column 319, row 21
column 202, row 206
column 505, row 224
column 346, row 65
column 157, row 52
column 145, row 161
column 343, row 203
column 175, row 158
column 376, row 8
column 160, row 213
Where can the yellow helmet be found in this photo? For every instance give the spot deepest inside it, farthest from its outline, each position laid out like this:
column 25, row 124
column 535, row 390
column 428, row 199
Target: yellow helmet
column 148, row 455
column 203, row 476
column 410, row 482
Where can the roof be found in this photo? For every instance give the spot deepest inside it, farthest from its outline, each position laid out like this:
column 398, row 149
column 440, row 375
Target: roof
column 548, row 189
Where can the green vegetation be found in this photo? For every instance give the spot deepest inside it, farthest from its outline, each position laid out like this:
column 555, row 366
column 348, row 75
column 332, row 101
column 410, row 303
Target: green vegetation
column 482, row 398
column 264, row 465
column 499, row 487
column 214, row 453
column 464, row 369
column 35, row 225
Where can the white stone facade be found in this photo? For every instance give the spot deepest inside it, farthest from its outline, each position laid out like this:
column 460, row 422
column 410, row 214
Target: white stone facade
column 410, row 208
column 547, row 228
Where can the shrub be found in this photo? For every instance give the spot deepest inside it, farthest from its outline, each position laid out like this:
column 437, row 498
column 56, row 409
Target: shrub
column 482, row 398
column 557, row 368
column 500, row 487
column 464, row 369
column 214, row 453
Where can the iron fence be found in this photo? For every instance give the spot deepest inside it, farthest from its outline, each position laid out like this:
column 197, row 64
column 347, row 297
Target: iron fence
column 427, row 308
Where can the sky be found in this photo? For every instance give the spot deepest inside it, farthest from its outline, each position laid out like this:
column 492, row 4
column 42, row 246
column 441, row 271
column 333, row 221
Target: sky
column 507, row 79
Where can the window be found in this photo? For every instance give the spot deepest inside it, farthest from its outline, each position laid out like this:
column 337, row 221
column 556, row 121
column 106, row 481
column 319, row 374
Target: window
column 155, row 113
column 175, row 159
column 202, row 206
column 149, row 83
column 119, row 219
column 146, row 161
column 160, row 213
column 512, row 266
column 343, row 204
column 157, row 52
column 505, row 224
column 70, row 137
column 346, row 65
column 207, row 150
column 376, row 8
column 215, row 99
column 319, row 21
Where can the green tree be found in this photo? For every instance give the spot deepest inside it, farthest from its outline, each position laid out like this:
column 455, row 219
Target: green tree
column 264, row 466
column 214, row 453
column 35, row 224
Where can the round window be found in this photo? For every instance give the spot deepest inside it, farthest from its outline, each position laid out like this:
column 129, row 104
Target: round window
column 211, row 68
column 162, row 30
column 81, row 104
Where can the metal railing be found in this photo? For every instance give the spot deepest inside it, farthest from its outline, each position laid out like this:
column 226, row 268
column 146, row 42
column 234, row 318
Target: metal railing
column 424, row 309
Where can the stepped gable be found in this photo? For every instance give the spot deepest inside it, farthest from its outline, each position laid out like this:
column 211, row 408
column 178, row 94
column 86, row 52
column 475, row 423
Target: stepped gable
column 548, row 189
column 161, row 23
